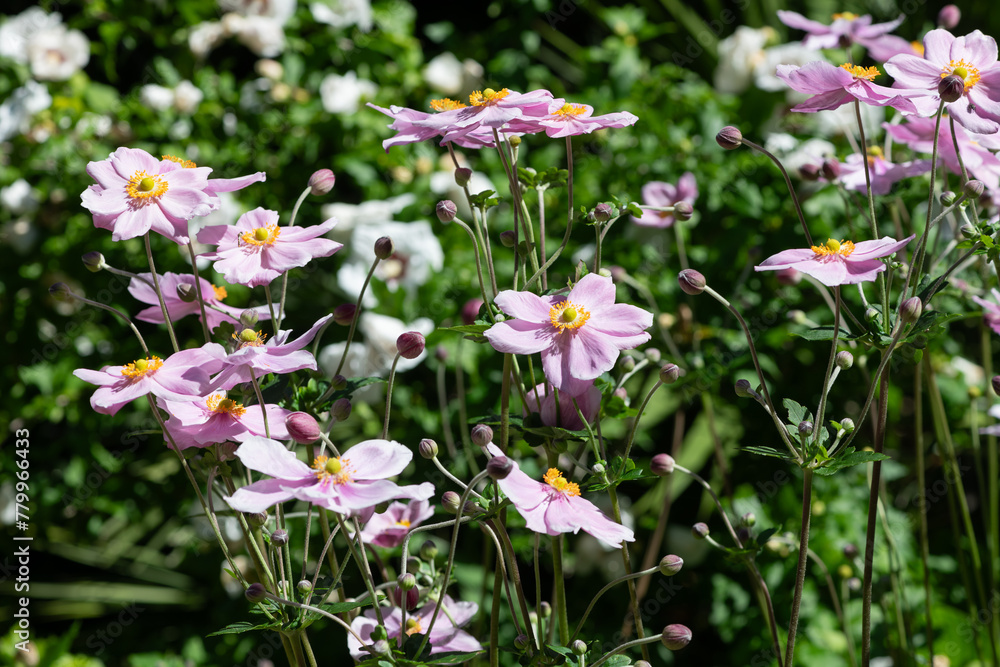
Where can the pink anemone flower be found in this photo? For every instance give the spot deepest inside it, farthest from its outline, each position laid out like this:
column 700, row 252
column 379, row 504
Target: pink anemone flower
column 389, row 528
column 659, row 193
column 977, row 149
column 446, row 635
column 408, row 131
column 183, row 376
column 991, row 310
column 837, row 262
column 350, row 484
column 488, row 109
column 832, row 86
column 256, row 250
column 567, row 120
column 579, row 335
column 255, row 356
column 542, row 400
column 847, row 29
column 883, row 174
column 219, row 419
column 555, row 505
column 178, row 308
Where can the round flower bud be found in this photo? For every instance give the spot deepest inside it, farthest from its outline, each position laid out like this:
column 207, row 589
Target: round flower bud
column 692, row 282
column 598, row 469
column 379, row 633
column 788, row 277
column 744, row 389
column 429, row 550
column 948, row 198
column 806, row 428
column 676, row 636
column 844, row 360
column 482, row 435
column 579, row 647
column 94, row 261
column 662, row 465
column 341, row 409
column 187, row 293
column 627, row 363
column 641, row 663
column 948, row 17
column 603, row 212
column 749, row 519
column 653, row 355
column 508, row 238
column 847, row 424
column 671, row 565
column 700, row 530
column 683, row 210
column 302, row 428
column 384, row 247
column 809, row 172
column 255, row 592
column 470, row 311
column 279, row 538
column 545, row 609
column 830, row 169
column 411, row 344
column 256, row 519
column 344, row 314
column 973, row 189
column 60, row 291
column 381, row 647
column 969, row 231
column 428, row 448
column 911, row 309
column 406, row 581
column 451, row 503
column 850, row 550
column 521, row 642
column 499, row 467
column 249, row 319
column 322, row 181
column 996, row 384
column 729, row 138
column 413, row 565
column 951, row 88
column 621, row 393
column 446, row 210
column 338, row 382
column 871, row 313
column 462, row 176
column 304, row 587
column 669, row 373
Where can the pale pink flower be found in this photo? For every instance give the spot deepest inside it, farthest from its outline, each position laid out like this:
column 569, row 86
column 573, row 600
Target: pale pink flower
column 446, row 635
column 659, row 193
column 567, row 120
column 837, row 262
column 991, row 309
column 555, row 505
column 389, row 528
column 488, row 109
column 178, row 308
column 256, row 250
column 182, row 376
column 217, row 418
column 579, row 335
column 542, row 400
column 832, row 86
column 405, row 122
column 883, row 174
column 256, row 355
column 847, row 29
column 977, row 149
column 352, row 483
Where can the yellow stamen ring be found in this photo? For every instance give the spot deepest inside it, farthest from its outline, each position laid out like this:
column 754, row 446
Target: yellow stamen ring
column 187, row 164
column 487, row 97
column 570, row 110
column 445, row 104
column 141, row 367
column 834, row 247
column 220, row 293
column 859, row 72
column 219, row 404
column 141, row 187
column 261, row 236
column 566, row 315
column 963, row 70
column 332, row 470
column 555, row 479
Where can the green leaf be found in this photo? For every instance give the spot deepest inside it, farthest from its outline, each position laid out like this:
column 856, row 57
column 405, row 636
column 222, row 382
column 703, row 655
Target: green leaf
column 823, row 333
column 341, row 607
column 768, row 451
column 847, row 459
column 241, row 627
column 449, row 658
column 796, row 413
column 475, row 329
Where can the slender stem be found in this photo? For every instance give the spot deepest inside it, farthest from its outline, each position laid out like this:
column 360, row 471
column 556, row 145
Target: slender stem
column 873, row 496
column 819, row 426
column 635, row 424
column 159, row 294
column 918, row 437
column 197, row 289
column 624, row 647
column 388, row 396
column 788, row 183
column 110, row 309
column 540, row 191
column 270, row 307
column 627, row 562
column 800, row 575
column 505, row 403
column 362, row 562
column 679, row 236
column 561, row 614
column 569, row 219
column 607, row 587
column 479, row 266
column 918, row 256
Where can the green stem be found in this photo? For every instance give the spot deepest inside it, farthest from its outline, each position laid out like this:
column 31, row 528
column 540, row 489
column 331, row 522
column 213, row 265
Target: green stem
column 388, row 397
column 800, row 574
column 922, row 504
column 873, row 497
column 197, row 289
column 159, row 294
column 557, row 560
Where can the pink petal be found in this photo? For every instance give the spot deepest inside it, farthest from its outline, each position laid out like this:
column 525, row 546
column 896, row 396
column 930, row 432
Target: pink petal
column 261, row 495
column 785, row 259
column 913, row 72
column 230, row 184
column 377, row 459
column 829, row 272
column 979, row 49
column 520, row 336
column 592, row 292
column 937, row 47
column 525, row 305
column 271, row 458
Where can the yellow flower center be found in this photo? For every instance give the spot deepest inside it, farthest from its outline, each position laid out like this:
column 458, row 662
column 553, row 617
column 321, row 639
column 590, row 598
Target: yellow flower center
column 220, row 293
column 859, row 72
column 834, row 247
column 849, row 16
column 964, row 71
column 187, row 164
column 249, row 338
column 141, row 367
column 570, row 110
column 332, row 470
column 405, row 523
column 261, row 236
column 555, row 479
column 566, row 315
column 413, row 626
column 487, row 97
column 445, row 104
column 221, row 405
column 142, row 188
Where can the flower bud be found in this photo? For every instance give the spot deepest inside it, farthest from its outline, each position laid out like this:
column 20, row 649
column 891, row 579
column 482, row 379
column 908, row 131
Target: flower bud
column 302, row 428
column 729, row 138
column 951, row 88
column 446, row 210
column 692, row 282
column 470, row 311
column 338, row 382
column 381, row 647
column 806, row 428
column 669, row 373
column 279, row 538
column 653, row 355
column 603, row 212
column 847, row 424
column 830, row 169
column 256, row 519
column 322, row 181
column 428, row 448
column 94, row 261
column 411, row 344
column 406, row 581
column 969, row 231
column 809, row 172
column 996, row 384
column 850, row 550
column 379, row 633
column 911, row 309
column 749, row 519
column 844, row 360
column 482, row 435
column 255, row 592
column 788, row 277
column 187, row 293
column 626, row 363
column 948, row 17
column 948, row 198
column 499, row 467
column 700, row 530
column 341, row 409
column 451, row 503
column 462, row 176
column 249, row 319
column 60, row 291
column 973, row 189
column 683, row 210
column 545, row 610
column 671, row 565
column 598, row 469
column 304, row 587
column 344, row 314
column 579, row 647
column 676, row 636
column 641, row 663
column 508, row 238
column 871, row 313
column 744, row 389
column 429, row 550
column 384, row 247
column 413, row 565
column 662, row 465
column 521, row 642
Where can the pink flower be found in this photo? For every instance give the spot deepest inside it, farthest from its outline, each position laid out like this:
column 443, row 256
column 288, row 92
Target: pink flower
column 973, row 58
column 832, row 86
column 178, row 308
column 256, row 250
column 542, row 399
column 837, row 262
column 214, row 186
column 567, row 120
column 658, row 193
column 555, row 506
column 205, row 422
column 883, row 174
column 349, row 484
column 490, row 109
column 255, row 356
column 136, row 193
column 977, row 149
column 446, row 635
column 182, row 376
column 991, row 310
column 578, row 335
column 408, row 131
column 390, row 527
column 847, row 29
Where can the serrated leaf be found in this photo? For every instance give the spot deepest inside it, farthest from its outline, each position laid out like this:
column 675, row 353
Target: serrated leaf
column 796, row 413
column 847, row 459
column 474, row 329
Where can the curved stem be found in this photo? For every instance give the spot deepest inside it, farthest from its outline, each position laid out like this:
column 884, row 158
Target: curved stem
column 788, row 183
column 607, row 587
column 159, row 294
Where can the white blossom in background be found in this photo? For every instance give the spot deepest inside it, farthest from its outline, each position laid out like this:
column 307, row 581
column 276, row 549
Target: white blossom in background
column 156, row 97
column 373, row 212
column 792, row 53
column 257, row 24
column 739, row 55
column 205, row 37
column 16, row 31
column 187, row 97
column 18, row 109
column 794, row 153
column 451, row 77
column 343, row 13
column 56, row 54
column 18, row 197
column 262, row 35
column 343, row 94
column 279, row 10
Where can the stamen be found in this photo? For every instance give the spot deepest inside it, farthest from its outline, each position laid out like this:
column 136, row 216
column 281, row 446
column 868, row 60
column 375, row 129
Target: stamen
column 219, row 404
column 566, row 315
column 249, row 338
column 570, row 110
column 859, row 72
column 834, row 247
column 555, row 479
column 141, row 367
column 142, row 188
column 963, row 70
column 849, row 16
column 332, row 470
column 487, row 97
column 187, row 164
column 446, row 104
column 220, row 292
column 413, row 627
column 405, row 523
column 261, row 236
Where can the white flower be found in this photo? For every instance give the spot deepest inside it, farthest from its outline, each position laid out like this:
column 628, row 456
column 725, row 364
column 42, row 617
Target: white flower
column 444, row 73
column 156, row 97
column 373, row 212
column 56, row 54
column 17, row 110
column 343, row 13
column 279, row 10
column 187, row 97
column 261, row 34
column 18, row 197
column 15, row 32
column 794, row 153
column 373, row 357
column 739, row 54
column 792, row 53
column 205, row 37
column 343, row 94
